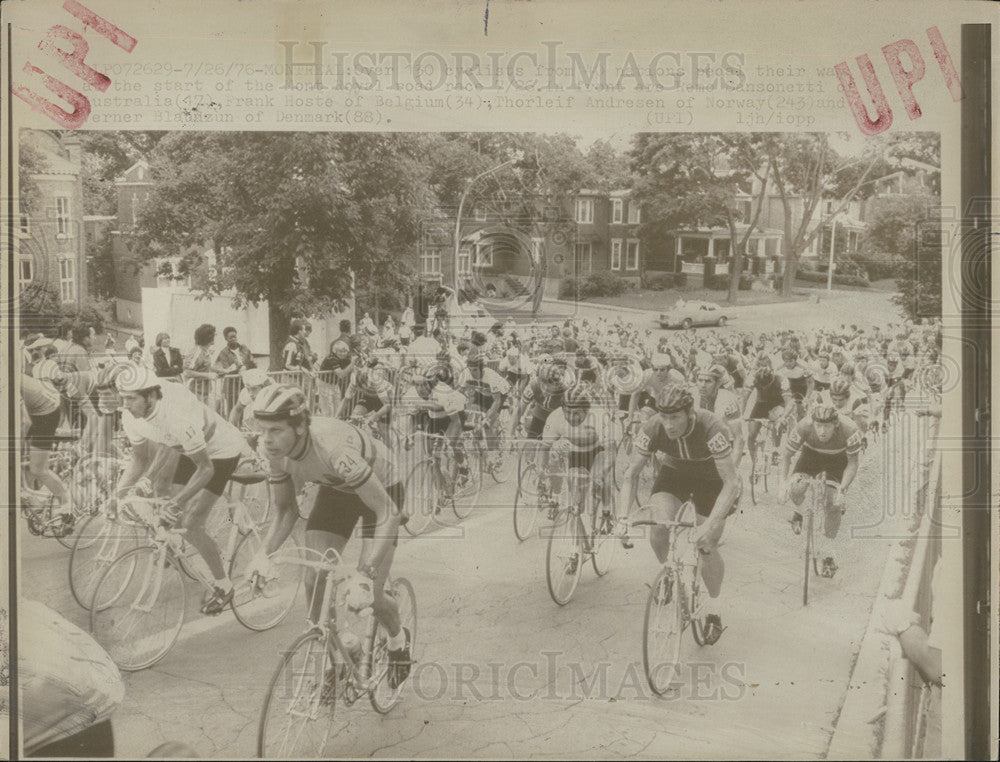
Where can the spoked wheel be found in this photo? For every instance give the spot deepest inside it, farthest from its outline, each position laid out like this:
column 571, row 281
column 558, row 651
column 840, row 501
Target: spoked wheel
column 385, row 697
column 420, row 497
column 756, row 489
column 662, row 632
column 564, row 558
column 504, row 458
column 138, row 608
column 260, row 604
column 526, row 502
column 602, row 539
column 99, row 543
column 467, row 486
column 297, row 719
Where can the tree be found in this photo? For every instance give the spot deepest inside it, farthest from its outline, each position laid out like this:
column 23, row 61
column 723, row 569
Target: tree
column 693, row 180
column 806, row 171
column 294, row 218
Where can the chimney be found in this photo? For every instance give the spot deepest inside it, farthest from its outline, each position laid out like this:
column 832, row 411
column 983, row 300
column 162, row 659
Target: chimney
column 74, row 149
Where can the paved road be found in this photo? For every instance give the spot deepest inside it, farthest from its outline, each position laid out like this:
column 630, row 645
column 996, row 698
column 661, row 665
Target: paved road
column 503, row 672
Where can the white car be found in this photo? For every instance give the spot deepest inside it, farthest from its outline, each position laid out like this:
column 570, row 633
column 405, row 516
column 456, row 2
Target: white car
column 691, row 313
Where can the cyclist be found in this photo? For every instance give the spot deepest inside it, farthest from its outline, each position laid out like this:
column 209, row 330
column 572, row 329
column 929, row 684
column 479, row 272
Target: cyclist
column 722, row 402
column 823, row 371
column 434, row 407
column 254, row 379
column 848, row 401
column 41, row 402
column 661, row 373
column 370, row 391
column 485, row 390
column 357, row 479
column 516, row 368
column 826, row 442
column 799, row 377
column 698, row 462
column 171, row 415
column 770, row 400
column 577, row 431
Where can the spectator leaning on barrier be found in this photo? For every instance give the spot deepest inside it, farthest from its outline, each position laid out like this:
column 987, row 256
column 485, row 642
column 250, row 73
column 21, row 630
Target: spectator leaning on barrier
column 292, row 353
column 234, row 357
column 167, row 360
column 309, row 357
column 200, row 367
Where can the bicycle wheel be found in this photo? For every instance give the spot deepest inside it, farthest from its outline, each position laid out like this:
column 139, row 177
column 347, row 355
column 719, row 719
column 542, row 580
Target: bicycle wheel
column 138, row 608
column 99, row 543
column 602, row 540
column 383, row 698
column 504, row 457
column 260, row 605
column 807, row 532
column 564, row 557
column 257, row 501
column 755, row 490
column 421, row 494
column 526, row 503
column 661, row 633
column 297, row 717
column 467, row 487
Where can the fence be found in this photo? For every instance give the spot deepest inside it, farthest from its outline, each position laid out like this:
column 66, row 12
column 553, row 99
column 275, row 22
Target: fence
column 321, row 389
column 913, row 708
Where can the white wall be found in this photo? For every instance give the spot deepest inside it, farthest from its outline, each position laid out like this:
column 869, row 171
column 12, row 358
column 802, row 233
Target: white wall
column 178, row 312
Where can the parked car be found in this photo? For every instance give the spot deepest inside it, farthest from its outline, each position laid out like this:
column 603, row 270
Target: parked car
column 691, row 313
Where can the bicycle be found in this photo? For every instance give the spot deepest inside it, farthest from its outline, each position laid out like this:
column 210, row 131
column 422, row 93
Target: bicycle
column 579, row 531
column 528, row 501
column 495, row 457
column 623, row 457
column 767, row 456
column 674, row 602
column 319, row 667
column 138, row 606
column 430, row 486
column 811, row 530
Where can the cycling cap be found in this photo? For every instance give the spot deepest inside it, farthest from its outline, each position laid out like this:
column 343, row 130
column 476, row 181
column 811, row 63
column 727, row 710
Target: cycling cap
column 279, row 403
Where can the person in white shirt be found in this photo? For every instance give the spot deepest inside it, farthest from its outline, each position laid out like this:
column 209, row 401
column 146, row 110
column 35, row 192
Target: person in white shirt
column 170, row 415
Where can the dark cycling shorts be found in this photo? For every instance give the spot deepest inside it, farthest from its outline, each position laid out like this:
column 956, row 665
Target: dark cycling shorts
column 623, row 402
column 645, row 400
column 437, row 425
column 42, row 429
column 761, row 411
column 338, row 512
column 812, row 463
column 535, row 426
column 821, row 386
column 584, row 459
column 681, row 484
column 224, row 468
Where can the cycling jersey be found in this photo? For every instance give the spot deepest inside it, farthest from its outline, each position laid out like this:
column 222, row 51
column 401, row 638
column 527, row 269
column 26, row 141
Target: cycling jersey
column 846, row 438
column 557, row 427
column 823, row 377
column 852, row 405
column 798, row 379
column 451, row 400
column 651, row 385
column 725, row 405
column 40, row 398
column 708, row 440
column 336, row 454
column 543, row 399
column 182, row 420
column 770, row 397
column 481, row 392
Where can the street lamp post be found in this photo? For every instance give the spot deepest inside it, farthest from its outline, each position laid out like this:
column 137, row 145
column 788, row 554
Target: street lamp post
column 833, row 240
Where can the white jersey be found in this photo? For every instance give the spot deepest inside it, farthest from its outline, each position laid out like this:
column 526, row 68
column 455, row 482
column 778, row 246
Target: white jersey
column 182, row 420
column 726, row 405
column 557, row 427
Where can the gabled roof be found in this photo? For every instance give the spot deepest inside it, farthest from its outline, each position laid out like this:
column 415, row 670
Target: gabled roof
column 137, row 174
column 54, row 164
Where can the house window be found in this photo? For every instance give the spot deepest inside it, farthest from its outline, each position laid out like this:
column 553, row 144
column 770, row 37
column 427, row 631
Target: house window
column 633, row 213
column 430, row 262
column 67, row 280
column 585, row 210
column 484, row 256
column 828, row 208
column 616, row 254
column 24, row 223
column 464, row 262
column 62, row 215
column 25, row 273
column 480, row 213
column 584, row 258
column 617, row 206
column 632, row 257
column 746, row 209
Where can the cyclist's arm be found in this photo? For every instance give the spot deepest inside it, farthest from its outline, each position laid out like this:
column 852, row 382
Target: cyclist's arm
column 736, row 427
column 137, row 466
column 374, row 495
column 203, row 473
column 631, row 479
column 751, row 403
column 787, row 457
column 283, row 496
column 236, row 414
column 730, row 489
column 850, row 471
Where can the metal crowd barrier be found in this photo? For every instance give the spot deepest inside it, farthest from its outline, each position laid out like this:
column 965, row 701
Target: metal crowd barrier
column 913, row 719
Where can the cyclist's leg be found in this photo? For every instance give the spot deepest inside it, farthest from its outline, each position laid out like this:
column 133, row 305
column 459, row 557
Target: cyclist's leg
column 664, row 502
column 329, row 526
column 713, row 567
column 197, row 510
column 39, row 439
column 753, row 429
column 385, row 609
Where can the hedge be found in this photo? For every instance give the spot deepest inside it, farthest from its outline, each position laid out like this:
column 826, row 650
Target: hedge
column 659, row 281
column 814, row 276
column 721, row 282
column 596, row 284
